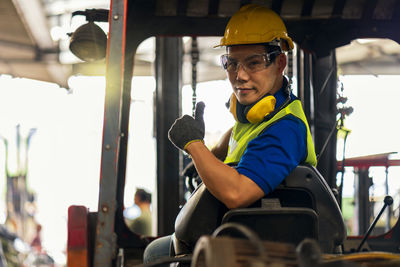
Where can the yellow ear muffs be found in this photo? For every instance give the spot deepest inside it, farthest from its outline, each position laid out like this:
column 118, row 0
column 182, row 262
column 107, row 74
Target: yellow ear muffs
column 261, row 109
column 232, row 106
column 253, row 113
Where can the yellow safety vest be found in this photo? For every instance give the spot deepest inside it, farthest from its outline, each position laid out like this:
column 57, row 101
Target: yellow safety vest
column 243, row 133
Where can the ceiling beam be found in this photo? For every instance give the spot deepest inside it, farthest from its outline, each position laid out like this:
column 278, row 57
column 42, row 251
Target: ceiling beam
column 32, row 14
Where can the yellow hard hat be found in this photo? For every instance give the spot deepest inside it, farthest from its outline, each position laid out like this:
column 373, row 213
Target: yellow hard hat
column 254, row 24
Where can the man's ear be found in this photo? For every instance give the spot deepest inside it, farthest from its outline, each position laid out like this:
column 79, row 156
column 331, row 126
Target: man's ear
column 282, row 62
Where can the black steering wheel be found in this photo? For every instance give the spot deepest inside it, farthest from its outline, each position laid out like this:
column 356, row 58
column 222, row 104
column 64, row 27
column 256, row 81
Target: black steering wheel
column 192, row 178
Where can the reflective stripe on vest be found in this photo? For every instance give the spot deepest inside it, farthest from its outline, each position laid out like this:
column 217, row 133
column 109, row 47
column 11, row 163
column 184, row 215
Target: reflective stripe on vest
column 243, row 133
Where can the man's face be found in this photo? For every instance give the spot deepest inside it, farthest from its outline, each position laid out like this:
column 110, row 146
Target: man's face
column 249, row 86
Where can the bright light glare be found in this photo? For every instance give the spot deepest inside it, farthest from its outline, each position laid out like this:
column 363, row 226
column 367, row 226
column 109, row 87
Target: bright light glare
column 141, row 155
column 373, row 124
column 64, row 153
column 57, row 33
column 367, row 40
column 374, row 128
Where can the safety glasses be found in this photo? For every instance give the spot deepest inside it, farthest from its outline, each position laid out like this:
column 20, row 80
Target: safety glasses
column 250, row 64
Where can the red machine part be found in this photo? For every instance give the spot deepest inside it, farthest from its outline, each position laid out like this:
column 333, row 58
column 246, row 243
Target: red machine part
column 77, row 243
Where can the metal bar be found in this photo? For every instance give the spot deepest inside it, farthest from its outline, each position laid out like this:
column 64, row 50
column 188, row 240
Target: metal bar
column 290, row 68
column 213, row 7
column 195, row 59
column 326, row 80
column 182, row 7
column 307, row 8
column 298, row 73
column 126, row 101
column 369, row 163
column 369, row 8
column 169, row 51
column 18, row 45
column 362, row 211
column 180, row 26
column 396, row 12
column 338, row 8
column 308, row 90
column 277, row 6
column 325, row 114
column 93, row 14
column 388, row 202
column 388, row 215
column 33, row 17
column 125, row 237
column 105, row 239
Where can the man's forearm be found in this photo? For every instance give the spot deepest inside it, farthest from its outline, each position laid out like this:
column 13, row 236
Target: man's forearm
column 224, row 182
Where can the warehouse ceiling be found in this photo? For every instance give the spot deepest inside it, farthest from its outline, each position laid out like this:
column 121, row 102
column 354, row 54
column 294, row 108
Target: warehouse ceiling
column 33, row 40
column 34, row 44
column 26, row 47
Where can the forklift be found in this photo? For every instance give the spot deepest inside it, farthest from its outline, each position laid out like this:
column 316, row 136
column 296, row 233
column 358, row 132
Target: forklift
column 306, row 228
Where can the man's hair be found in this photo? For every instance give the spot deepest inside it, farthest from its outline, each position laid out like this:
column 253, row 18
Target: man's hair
column 273, row 48
column 143, row 195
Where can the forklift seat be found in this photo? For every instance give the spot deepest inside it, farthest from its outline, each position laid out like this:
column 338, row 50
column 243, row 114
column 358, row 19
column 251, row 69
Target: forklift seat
column 302, row 206
column 292, row 205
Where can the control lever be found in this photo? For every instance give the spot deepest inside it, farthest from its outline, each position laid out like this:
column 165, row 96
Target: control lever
column 388, row 201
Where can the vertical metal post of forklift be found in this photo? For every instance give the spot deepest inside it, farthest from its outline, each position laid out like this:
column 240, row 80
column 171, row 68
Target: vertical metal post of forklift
column 77, row 242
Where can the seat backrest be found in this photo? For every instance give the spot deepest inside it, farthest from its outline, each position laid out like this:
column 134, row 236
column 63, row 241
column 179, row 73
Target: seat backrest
column 331, row 227
column 280, row 224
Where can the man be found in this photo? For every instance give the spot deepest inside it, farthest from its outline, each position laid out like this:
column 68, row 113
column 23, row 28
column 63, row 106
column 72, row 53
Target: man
column 271, row 134
column 142, row 224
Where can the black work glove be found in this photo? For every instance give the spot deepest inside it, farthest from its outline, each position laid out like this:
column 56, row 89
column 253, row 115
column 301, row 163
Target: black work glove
column 187, row 129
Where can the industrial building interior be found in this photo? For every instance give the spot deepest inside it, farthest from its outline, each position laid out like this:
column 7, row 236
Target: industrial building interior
column 34, row 47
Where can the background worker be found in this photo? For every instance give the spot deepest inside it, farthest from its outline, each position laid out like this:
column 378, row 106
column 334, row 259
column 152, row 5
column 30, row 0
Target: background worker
column 142, row 225
column 271, row 135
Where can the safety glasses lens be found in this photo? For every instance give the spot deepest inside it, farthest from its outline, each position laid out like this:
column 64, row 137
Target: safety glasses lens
column 251, row 63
